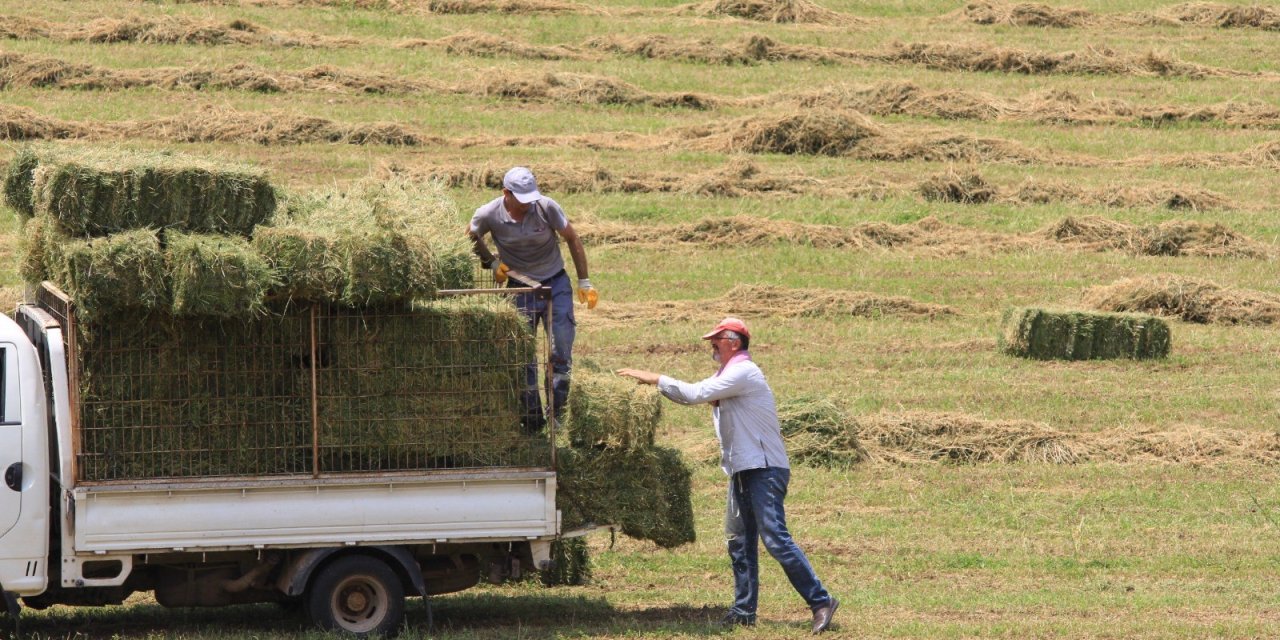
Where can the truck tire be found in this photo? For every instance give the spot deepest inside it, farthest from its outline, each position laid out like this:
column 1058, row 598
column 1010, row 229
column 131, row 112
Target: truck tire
column 359, row 595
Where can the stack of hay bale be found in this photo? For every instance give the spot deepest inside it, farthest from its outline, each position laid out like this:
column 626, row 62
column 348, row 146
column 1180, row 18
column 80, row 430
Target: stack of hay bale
column 195, row 294
column 613, row 473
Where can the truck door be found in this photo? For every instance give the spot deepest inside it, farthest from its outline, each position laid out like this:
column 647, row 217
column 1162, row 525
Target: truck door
column 10, row 439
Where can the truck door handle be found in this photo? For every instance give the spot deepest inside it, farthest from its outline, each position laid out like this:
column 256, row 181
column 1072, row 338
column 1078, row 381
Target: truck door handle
column 13, row 476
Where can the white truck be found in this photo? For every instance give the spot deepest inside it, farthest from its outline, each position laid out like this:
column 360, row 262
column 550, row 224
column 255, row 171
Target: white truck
column 346, row 548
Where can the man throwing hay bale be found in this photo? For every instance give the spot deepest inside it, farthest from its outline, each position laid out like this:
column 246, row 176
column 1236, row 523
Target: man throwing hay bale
column 752, row 452
column 526, row 227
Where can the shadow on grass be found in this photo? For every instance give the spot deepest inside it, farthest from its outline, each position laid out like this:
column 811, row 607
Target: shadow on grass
column 480, row 615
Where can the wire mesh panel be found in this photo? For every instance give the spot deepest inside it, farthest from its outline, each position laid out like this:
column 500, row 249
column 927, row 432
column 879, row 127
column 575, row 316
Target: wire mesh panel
column 438, row 386
column 328, row 390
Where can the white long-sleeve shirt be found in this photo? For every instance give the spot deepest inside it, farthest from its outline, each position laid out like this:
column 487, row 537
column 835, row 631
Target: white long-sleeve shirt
column 746, row 417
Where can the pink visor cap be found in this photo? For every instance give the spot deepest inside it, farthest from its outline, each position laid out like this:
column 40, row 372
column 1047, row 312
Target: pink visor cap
column 519, row 181
column 729, row 324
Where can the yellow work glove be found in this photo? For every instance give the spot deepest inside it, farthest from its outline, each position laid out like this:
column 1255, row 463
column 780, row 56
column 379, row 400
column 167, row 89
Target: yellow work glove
column 587, row 294
column 500, row 270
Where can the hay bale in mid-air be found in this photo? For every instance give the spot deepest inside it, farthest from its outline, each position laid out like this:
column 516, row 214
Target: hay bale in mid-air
column 647, row 492
column 1077, row 335
column 215, row 275
column 607, row 411
column 94, row 192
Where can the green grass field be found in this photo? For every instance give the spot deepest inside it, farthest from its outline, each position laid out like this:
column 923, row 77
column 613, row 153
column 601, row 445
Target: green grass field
column 1162, row 546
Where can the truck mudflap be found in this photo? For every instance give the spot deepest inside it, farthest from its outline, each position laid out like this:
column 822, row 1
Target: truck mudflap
column 14, row 610
column 293, row 581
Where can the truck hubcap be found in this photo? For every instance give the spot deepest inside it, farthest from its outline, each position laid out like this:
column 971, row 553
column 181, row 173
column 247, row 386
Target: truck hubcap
column 359, row 604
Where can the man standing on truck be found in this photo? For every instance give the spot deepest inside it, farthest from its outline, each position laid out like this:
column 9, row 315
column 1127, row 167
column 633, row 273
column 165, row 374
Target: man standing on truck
column 526, row 227
column 754, row 456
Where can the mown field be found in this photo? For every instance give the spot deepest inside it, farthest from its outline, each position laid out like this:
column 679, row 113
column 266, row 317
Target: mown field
column 870, row 189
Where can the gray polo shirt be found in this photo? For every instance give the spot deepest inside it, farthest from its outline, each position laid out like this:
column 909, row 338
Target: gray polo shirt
column 530, row 246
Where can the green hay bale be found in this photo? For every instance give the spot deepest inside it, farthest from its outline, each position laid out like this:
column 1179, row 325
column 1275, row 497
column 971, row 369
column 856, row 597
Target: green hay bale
column 607, row 411
column 121, row 271
column 373, row 244
column 18, row 179
column 39, row 234
column 215, row 275
column 820, row 433
column 95, row 192
column 1075, row 335
column 571, row 563
column 647, row 492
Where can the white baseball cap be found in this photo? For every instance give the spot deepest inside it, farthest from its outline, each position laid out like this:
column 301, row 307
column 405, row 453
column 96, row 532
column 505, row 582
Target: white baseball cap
column 520, row 182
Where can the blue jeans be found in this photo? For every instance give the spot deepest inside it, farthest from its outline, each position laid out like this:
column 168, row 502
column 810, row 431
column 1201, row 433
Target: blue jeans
column 563, row 329
column 755, row 512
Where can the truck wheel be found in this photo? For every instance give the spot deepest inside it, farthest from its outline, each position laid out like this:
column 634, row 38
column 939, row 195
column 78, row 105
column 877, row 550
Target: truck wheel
column 360, row 595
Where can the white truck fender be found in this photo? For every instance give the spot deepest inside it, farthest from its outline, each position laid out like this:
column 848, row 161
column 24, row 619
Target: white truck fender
column 293, row 580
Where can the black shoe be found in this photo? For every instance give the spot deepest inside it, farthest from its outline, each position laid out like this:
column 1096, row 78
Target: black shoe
column 822, row 615
column 735, row 619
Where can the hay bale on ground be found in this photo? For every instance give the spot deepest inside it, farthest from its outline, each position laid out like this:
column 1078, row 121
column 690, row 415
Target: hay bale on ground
column 121, row 271
column 372, row 244
column 1076, row 335
column 213, row 275
column 94, row 192
column 647, row 492
column 1189, row 299
column 820, row 433
column 606, row 411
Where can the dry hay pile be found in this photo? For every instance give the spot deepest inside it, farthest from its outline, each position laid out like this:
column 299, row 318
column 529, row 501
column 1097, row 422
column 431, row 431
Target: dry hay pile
column 1178, row 198
column 1189, row 299
column 662, row 47
column 470, row 43
column 167, row 30
column 22, row 28
column 903, row 97
column 968, row 188
column 1024, row 15
column 918, row 436
column 820, row 433
column 1172, row 238
column 1224, row 16
column 1092, row 61
column 1187, row 444
column 776, row 11
column 811, row 132
column 1043, row 334
column 589, row 89
column 21, row 123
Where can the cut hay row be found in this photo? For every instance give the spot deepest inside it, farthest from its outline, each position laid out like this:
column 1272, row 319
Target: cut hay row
column 928, row 235
column 751, row 49
column 775, row 11
column 743, row 178
column 1171, row 238
column 485, row 45
column 769, row 300
column 441, row 7
column 24, row 70
column 1045, row 334
column 165, row 30
column 820, row 432
column 579, row 88
column 1186, row 298
column 1191, row 13
column 210, row 124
